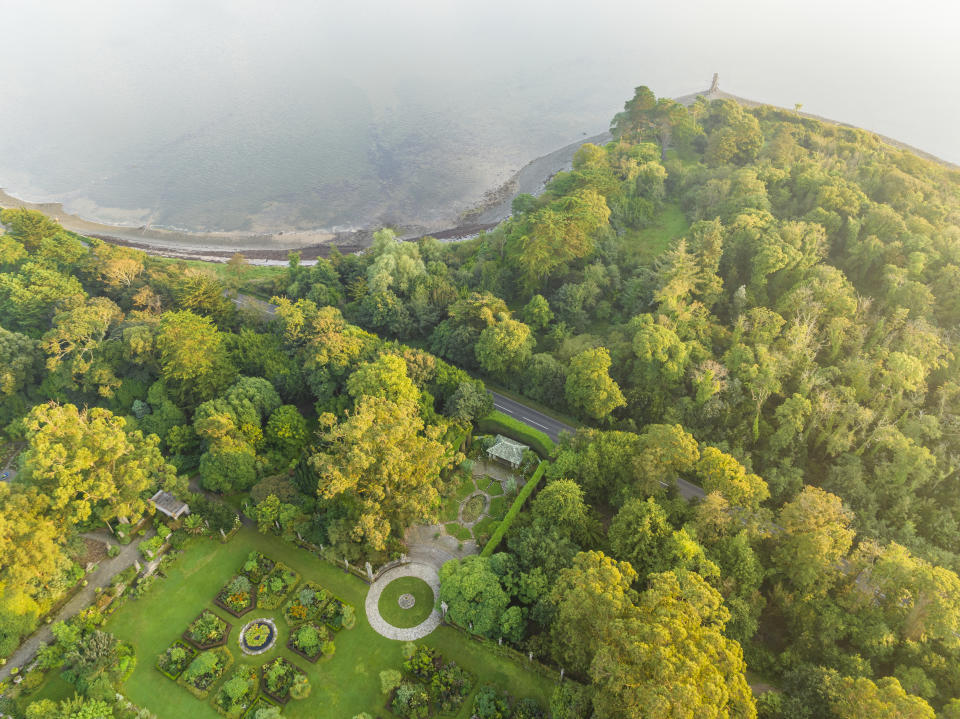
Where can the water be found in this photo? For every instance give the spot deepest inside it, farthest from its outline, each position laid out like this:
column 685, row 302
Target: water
column 249, row 115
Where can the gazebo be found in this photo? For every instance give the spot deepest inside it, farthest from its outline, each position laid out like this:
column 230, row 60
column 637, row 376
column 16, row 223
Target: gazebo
column 507, row 451
column 169, row 505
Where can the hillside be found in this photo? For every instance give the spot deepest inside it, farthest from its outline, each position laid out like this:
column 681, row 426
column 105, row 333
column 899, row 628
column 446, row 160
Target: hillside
column 737, row 297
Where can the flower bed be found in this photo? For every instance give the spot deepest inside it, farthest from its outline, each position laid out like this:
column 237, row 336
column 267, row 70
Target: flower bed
column 279, row 679
column 305, row 603
column 207, row 631
column 310, row 640
column 204, row 671
column 261, row 702
column 257, row 567
column 258, row 636
column 173, row 661
column 273, row 590
column 237, row 597
column 337, row 615
column 237, row 693
column 427, row 684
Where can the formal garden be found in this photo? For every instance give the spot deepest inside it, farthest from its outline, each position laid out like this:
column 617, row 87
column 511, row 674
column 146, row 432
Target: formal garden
column 483, row 496
column 210, row 644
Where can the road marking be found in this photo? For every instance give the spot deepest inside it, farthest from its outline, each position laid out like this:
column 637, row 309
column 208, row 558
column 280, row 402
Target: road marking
column 527, row 419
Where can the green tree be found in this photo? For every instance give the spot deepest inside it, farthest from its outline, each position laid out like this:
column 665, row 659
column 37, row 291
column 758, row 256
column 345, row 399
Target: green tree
column 668, row 657
column 89, row 465
column 589, row 597
column 386, row 463
column 476, row 600
column 193, row 357
column 589, row 387
column 503, row 349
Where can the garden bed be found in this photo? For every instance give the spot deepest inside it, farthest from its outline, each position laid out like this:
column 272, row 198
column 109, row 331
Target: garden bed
column 334, row 614
column 302, row 639
column 261, row 702
column 172, row 663
column 207, row 631
column 305, row 604
column 237, row 693
column 257, row 566
column 273, row 590
column 428, row 685
column 204, row 671
column 278, row 677
column 238, row 596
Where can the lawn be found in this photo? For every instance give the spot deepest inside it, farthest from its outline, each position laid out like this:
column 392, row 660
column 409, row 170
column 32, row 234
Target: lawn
column 649, row 243
column 344, row 685
column 403, row 618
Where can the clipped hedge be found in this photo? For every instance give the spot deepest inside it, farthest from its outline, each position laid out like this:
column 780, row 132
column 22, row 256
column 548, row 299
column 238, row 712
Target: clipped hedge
column 499, row 423
column 514, row 510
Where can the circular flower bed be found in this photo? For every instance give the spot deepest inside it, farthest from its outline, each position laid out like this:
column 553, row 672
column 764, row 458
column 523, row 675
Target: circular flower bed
column 258, row 636
column 406, row 601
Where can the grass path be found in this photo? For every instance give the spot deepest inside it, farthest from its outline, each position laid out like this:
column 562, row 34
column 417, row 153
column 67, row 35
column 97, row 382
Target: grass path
column 343, row 686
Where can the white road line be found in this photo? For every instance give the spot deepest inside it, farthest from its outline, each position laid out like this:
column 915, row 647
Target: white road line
column 527, row 419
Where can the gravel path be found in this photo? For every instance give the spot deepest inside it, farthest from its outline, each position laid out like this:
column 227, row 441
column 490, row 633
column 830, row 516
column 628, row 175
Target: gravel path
column 84, row 598
column 427, row 573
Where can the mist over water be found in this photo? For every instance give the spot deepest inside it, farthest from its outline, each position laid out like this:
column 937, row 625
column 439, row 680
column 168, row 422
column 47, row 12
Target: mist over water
column 250, row 115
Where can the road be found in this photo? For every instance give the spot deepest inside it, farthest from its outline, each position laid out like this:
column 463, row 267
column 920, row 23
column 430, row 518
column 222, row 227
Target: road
column 553, row 427
column 511, row 407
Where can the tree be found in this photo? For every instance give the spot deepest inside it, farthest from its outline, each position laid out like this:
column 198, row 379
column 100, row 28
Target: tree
column 470, row 402
column 719, row 472
column 667, row 657
column 20, row 370
column 589, row 387
column 287, row 430
column 385, row 377
column 386, row 463
column 88, row 464
column 193, row 357
column 560, row 505
column 503, row 349
column 475, row 598
column 816, row 537
column 641, row 534
column 30, row 297
column 589, row 597
column 861, row 698
column 537, row 313
column 396, row 264
column 77, row 343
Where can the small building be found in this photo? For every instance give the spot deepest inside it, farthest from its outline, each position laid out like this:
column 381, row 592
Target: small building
column 507, row 451
column 169, row 505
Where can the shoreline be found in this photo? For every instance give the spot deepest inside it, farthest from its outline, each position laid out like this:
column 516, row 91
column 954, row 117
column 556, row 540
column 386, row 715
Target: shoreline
column 273, row 247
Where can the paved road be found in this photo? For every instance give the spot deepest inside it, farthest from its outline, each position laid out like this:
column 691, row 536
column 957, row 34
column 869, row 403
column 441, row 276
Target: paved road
column 519, row 411
column 101, row 577
column 553, row 427
column 538, row 420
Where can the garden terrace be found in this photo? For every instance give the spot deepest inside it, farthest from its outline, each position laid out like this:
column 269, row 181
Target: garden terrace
column 152, row 623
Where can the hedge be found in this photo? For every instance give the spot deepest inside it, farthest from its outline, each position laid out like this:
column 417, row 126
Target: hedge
column 514, row 510
column 499, row 423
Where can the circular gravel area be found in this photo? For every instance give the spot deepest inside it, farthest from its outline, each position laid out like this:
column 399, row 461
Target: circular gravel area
column 406, row 601
column 421, row 619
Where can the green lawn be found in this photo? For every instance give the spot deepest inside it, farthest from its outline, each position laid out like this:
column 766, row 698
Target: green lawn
column 403, row 618
column 649, row 243
column 343, row 686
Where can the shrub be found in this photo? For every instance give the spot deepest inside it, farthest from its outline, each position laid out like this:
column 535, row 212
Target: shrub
column 411, row 700
column 150, row 547
column 514, row 510
column 328, row 648
column 499, row 423
column 390, row 679
column 237, row 692
column 300, row 689
column 489, row 704
column 173, row 661
column 423, row 662
column 528, row 709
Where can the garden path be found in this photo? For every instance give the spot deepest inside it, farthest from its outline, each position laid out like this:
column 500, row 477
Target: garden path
column 426, row 572
column 105, row 571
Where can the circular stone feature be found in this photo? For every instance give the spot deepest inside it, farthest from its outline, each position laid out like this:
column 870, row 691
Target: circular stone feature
column 258, row 636
column 406, row 601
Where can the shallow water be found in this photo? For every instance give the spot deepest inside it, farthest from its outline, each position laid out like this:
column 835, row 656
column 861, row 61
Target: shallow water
column 248, row 115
